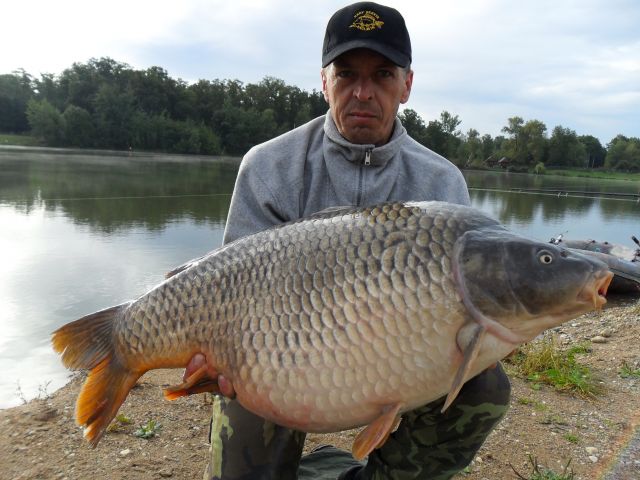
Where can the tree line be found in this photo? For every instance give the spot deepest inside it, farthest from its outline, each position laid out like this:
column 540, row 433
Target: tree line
column 526, row 146
column 107, row 104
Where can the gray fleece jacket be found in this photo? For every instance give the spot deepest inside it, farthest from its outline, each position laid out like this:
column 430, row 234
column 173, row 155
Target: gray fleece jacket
column 313, row 167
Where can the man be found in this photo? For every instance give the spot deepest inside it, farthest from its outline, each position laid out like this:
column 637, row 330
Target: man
column 358, row 154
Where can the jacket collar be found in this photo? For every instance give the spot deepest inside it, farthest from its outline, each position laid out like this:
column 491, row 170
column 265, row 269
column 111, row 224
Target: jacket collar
column 355, row 153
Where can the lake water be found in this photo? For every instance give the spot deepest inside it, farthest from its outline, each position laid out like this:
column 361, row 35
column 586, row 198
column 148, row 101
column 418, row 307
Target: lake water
column 80, row 231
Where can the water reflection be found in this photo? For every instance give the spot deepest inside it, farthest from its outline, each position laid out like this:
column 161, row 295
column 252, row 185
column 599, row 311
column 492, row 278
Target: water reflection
column 542, row 216
column 111, row 193
column 80, row 233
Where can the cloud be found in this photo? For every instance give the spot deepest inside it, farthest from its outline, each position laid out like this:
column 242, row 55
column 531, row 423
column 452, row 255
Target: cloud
column 570, row 63
column 574, row 62
column 52, row 35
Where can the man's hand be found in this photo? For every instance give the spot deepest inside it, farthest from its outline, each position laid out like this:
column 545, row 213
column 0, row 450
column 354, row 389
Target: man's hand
column 206, row 373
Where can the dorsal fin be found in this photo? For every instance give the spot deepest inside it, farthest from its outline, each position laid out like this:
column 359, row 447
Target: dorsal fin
column 333, row 211
column 183, row 267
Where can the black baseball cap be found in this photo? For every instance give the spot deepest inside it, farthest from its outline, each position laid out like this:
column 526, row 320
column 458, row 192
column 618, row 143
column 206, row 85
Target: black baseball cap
column 367, row 25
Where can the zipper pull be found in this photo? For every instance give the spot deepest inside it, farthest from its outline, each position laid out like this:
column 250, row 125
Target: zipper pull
column 367, row 157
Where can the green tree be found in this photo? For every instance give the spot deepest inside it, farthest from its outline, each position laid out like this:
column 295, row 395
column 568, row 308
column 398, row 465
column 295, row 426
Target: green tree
column 46, row 122
column 270, row 94
column 47, row 87
column 414, row 124
column 527, row 144
column 196, row 139
column 450, row 123
column 78, row 125
column 16, row 90
column 488, row 147
column 114, row 110
column 209, row 141
column 513, row 148
column 513, row 127
column 435, row 137
column 303, row 115
column 317, row 103
column 208, row 97
column 534, row 142
column 499, row 143
column 596, row 153
column 241, row 129
column 80, row 84
column 623, row 153
column 470, row 149
column 565, row 149
column 154, row 91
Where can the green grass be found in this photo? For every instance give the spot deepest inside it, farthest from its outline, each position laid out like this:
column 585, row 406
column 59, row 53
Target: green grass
column 592, row 173
column 627, row 371
column 539, row 406
column 561, row 172
column 119, row 422
column 21, row 140
column 554, row 420
column 570, row 437
column 148, row 430
column 544, row 362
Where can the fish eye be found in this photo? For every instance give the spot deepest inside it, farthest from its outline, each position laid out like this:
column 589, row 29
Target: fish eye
column 545, row 257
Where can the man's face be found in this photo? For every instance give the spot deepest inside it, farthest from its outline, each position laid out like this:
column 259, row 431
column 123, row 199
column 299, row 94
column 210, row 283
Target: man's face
column 364, row 90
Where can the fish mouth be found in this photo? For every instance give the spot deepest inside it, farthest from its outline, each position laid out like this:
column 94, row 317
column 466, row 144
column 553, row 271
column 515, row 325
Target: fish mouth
column 595, row 292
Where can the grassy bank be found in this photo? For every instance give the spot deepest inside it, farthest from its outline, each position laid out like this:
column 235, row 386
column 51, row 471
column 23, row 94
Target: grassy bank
column 21, row 140
column 610, row 174
column 561, row 172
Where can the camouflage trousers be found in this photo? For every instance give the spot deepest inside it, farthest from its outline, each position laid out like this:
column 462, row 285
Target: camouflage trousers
column 427, row 444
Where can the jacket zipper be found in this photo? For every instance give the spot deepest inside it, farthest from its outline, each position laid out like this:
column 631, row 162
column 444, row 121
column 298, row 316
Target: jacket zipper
column 365, row 163
column 367, row 157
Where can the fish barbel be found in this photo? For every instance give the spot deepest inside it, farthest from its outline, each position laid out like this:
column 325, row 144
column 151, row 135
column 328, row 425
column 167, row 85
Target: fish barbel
column 349, row 317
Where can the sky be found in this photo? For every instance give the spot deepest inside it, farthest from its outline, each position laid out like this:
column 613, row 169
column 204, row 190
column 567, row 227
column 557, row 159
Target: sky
column 563, row 62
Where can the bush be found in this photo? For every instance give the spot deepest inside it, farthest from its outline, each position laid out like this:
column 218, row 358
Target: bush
column 46, row 121
column 539, row 169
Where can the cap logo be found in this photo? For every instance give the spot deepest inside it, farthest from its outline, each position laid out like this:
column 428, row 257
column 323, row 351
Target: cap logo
column 366, row 20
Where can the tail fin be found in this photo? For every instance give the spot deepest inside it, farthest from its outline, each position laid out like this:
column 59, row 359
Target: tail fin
column 87, row 343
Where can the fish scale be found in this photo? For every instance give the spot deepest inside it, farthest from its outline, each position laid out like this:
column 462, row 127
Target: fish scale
column 338, row 320
column 341, row 323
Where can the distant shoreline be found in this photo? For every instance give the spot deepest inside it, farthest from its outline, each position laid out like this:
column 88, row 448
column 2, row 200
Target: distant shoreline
column 181, row 157
column 128, row 154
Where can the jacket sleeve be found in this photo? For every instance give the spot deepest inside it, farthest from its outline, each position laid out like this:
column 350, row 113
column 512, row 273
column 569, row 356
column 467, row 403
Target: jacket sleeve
column 254, row 205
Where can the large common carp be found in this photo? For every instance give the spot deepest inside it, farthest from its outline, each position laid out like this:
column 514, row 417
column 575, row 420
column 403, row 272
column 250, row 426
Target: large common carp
column 349, row 317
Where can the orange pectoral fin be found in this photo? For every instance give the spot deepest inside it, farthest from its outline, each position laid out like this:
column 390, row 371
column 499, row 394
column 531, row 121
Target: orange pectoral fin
column 197, row 382
column 377, row 432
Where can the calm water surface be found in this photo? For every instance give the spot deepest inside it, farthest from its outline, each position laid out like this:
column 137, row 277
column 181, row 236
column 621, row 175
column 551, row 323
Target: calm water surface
column 80, row 232
column 542, row 216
